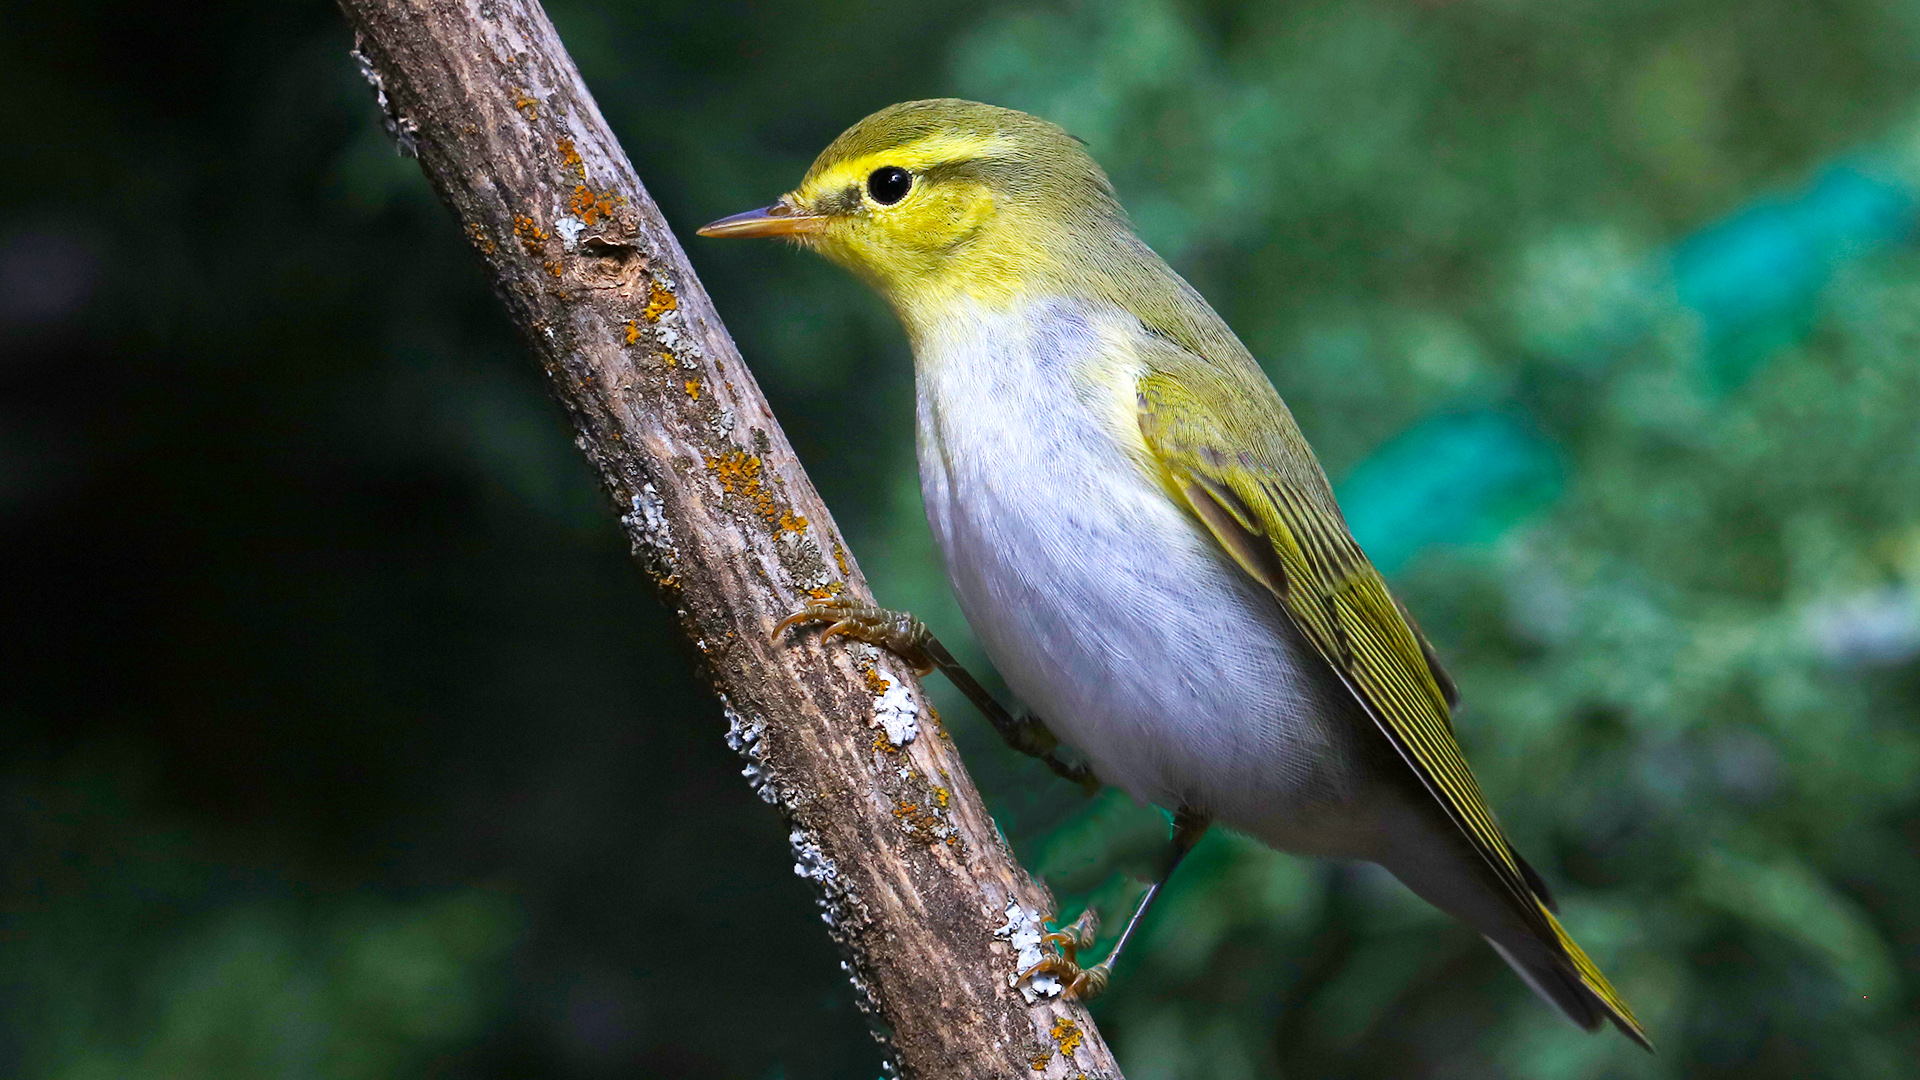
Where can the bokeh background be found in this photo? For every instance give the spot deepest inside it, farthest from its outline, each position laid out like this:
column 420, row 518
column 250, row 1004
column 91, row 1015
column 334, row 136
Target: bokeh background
column 339, row 738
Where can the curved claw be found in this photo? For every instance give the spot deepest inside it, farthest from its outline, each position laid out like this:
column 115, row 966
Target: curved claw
column 1051, row 965
column 795, row 619
column 895, row 631
column 1062, row 940
column 1091, row 983
column 814, row 611
column 1083, row 983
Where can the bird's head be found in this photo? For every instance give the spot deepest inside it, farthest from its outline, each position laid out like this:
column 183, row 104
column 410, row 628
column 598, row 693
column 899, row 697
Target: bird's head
column 933, row 201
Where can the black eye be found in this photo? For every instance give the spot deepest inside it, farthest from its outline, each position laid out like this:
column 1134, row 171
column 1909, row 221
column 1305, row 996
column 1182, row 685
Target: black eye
column 888, row 184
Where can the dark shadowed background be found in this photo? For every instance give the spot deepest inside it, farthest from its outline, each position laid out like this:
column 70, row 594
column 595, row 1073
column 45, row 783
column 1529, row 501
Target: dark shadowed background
column 339, row 738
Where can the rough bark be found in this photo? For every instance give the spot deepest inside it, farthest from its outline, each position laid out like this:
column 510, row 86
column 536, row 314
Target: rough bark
column 913, row 877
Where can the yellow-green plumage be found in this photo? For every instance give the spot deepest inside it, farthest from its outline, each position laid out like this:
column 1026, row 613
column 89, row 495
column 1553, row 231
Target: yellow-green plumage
column 1285, row 529
column 1139, row 532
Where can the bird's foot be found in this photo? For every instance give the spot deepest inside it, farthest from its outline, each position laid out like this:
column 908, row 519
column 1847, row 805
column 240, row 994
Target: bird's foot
column 1076, row 981
column 1030, row 735
column 908, row 638
column 1076, row 772
column 1064, row 963
column 895, row 631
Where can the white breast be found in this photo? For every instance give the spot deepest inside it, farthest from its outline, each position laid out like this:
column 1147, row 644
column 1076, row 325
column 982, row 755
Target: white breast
column 1105, row 606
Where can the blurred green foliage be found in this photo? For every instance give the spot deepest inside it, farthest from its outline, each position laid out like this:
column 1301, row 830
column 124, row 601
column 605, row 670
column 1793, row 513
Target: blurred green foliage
column 345, row 743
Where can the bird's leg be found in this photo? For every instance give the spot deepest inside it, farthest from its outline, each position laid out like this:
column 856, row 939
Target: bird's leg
column 1084, row 983
column 909, row 638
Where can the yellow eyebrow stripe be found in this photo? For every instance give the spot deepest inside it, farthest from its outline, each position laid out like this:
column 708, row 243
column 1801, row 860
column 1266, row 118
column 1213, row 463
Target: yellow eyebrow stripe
column 918, row 156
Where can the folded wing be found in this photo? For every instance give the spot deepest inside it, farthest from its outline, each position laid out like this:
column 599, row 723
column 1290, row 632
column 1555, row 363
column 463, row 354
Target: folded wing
column 1248, row 476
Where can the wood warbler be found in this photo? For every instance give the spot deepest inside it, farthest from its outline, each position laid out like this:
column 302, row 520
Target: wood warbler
column 1141, row 537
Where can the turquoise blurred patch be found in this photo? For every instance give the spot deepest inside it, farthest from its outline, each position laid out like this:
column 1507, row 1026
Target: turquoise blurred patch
column 1458, row 478
column 1752, row 281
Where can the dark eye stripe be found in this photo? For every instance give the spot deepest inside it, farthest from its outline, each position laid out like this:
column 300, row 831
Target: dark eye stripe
column 846, row 202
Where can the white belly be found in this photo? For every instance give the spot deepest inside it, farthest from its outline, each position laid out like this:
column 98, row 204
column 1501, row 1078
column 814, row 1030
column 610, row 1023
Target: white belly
column 1106, row 607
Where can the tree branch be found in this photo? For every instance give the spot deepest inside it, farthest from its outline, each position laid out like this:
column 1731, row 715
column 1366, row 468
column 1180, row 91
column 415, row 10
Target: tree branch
column 914, row 878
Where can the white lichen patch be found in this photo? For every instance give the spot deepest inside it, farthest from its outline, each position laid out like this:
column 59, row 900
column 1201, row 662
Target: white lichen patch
column 813, row 864
column 670, row 338
column 757, row 780
column 894, row 710
column 569, row 229
column 402, row 129
column 1023, row 931
column 809, row 861
column 862, row 993
column 647, row 524
column 743, row 736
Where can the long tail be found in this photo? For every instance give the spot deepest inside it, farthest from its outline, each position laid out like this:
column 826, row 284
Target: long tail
column 1518, row 922
column 1560, row 972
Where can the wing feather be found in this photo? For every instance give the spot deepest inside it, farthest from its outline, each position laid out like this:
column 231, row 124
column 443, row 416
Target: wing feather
column 1272, row 511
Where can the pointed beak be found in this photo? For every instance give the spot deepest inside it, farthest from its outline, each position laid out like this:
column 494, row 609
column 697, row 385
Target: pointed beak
column 780, row 219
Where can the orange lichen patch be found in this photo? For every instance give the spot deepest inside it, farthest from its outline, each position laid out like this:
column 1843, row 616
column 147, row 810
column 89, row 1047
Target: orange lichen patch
column 828, row 591
column 876, row 682
column 693, row 389
column 571, row 158
column 738, row 470
column 633, row 331
column 881, row 742
column 1068, row 1035
column 479, row 237
column 590, row 207
column 527, row 104
column 739, row 474
column 840, row 556
column 940, row 796
column 939, row 728
column 553, row 268
column 920, row 824
column 792, row 522
column 1040, row 1058
column 530, row 234
column 659, row 303
column 667, row 358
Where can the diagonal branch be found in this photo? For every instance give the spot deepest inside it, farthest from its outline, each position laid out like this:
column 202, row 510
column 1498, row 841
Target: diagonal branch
column 913, row 876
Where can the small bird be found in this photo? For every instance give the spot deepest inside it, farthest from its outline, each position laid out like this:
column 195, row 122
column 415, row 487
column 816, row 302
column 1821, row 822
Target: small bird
column 1142, row 539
